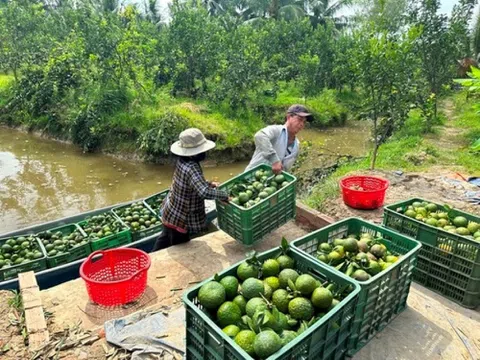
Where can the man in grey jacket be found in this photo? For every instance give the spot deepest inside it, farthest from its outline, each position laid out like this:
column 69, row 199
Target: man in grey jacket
column 277, row 145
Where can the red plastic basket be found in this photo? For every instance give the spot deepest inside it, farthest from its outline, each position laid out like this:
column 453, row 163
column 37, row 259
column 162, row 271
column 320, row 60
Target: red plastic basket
column 116, row 276
column 363, row 192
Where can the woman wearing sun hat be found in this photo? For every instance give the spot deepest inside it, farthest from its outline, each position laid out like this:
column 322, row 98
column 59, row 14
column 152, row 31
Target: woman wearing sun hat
column 183, row 210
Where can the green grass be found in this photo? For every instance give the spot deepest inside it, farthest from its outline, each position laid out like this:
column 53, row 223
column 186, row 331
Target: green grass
column 327, row 107
column 5, row 82
column 229, row 132
column 468, row 116
column 16, row 301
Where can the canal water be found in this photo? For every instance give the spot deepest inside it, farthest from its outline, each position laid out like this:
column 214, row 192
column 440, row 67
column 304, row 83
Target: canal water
column 43, row 180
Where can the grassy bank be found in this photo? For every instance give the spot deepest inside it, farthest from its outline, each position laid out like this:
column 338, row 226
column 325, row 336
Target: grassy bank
column 152, row 123
column 411, row 151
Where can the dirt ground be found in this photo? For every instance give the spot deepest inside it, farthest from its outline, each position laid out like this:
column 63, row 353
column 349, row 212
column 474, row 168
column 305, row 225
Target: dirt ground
column 11, row 340
column 430, row 328
column 438, row 185
column 172, row 271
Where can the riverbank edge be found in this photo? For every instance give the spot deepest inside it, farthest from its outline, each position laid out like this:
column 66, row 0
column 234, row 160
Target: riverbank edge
column 243, row 152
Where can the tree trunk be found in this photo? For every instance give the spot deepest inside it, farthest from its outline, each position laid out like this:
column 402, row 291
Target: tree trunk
column 274, row 9
column 374, row 155
column 15, row 75
column 375, row 149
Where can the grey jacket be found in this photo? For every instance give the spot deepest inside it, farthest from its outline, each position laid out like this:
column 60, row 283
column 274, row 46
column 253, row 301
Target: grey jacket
column 271, row 145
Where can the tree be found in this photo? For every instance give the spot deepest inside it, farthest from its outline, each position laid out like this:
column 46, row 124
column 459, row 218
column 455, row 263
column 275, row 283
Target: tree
column 436, row 51
column 194, row 41
column 382, row 65
column 240, row 73
column 387, row 14
column 323, row 11
column 20, row 21
column 476, row 37
column 459, row 27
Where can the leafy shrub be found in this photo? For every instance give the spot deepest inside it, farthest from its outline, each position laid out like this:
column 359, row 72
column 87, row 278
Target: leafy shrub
column 327, row 110
column 86, row 131
column 89, row 128
column 473, row 86
column 156, row 141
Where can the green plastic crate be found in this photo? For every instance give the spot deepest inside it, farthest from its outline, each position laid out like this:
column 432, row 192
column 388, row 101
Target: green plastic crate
column 137, row 235
column 111, row 241
column 327, row 339
column 384, row 295
column 251, row 225
column 448, row 264
column 75, row 253
column 33, row 265
column 154, row 202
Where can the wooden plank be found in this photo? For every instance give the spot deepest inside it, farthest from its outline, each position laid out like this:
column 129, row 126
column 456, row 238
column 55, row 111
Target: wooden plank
column 27, row 280
column 31, row 297
column 35, row 320
column 312, row 218
column 32, row 304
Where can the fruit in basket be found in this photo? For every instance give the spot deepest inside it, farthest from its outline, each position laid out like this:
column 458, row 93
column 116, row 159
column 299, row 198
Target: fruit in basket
column 460, row 221
column 231, row 330
column 230, row 283
column 280, row 299
column 322, row 298
column 228, row 314
column 378, row 250
column 359, row 256
column 156, row 202
column 245, row 339
column 267, row 343
column 271, row 267
column 61, row 241
column 255, row 304
column 241, row 303
column 102, row 225
column 252, row 288
column 137, row 217
column 360, row 275
column 305, row 284
column 287, row 335
column 286, row 275
column 212, row 295
column 263, row 319
column 443, row 218
column 19, row 250
column 285, row 262
column 247, row 270
column 473, row 228
column 301, row 308
column 350, row 244
column 249, row 192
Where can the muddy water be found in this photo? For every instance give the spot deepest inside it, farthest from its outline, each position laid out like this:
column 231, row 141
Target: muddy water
column 328, row 143
column 42, row 180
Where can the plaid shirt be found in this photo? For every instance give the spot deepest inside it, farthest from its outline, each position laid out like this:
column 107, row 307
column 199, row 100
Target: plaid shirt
column 184, row 206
